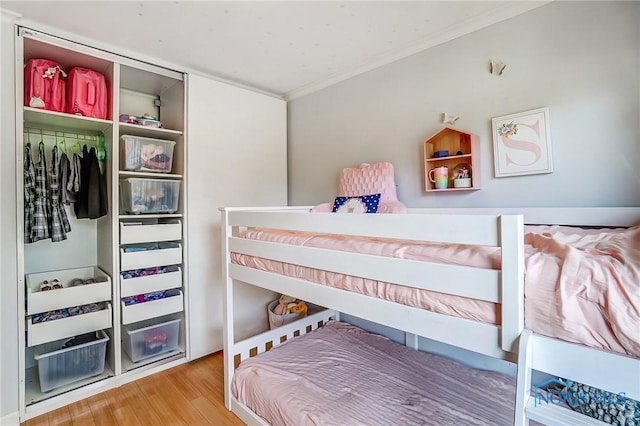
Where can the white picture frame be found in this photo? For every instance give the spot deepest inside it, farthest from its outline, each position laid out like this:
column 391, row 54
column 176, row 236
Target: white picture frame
column 522, row 143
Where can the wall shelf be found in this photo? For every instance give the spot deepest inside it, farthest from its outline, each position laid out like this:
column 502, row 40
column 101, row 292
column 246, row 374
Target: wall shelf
column 452, row 141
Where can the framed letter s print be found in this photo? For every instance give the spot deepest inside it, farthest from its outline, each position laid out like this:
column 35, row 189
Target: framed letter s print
column 521, row 143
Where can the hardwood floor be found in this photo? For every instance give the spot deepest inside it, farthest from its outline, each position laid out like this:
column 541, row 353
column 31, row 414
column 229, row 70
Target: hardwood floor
column 190, row 394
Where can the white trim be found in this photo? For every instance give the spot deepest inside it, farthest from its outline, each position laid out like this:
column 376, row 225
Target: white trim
column 499, row 14
column 12, row 419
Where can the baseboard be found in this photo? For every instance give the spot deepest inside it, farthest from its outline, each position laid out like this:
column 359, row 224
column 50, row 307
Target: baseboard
column 12, row 419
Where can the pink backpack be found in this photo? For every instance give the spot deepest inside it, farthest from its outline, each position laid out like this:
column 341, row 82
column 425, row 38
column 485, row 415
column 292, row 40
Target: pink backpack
column 43, row 85
column 86, row 93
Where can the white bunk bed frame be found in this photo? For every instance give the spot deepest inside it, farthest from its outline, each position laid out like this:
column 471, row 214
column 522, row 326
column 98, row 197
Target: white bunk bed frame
column 502, row 228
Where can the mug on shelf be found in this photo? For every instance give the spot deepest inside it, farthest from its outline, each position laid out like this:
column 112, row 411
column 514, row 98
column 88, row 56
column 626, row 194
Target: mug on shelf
column 440, row 177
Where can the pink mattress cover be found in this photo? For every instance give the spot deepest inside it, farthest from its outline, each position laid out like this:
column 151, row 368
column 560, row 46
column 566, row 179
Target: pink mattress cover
column 342, row 375
column 581, row 285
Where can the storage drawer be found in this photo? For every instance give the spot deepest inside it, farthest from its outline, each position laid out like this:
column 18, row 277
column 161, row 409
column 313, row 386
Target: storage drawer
column 59, row 366
column 70, row 295
column 150, row 258
column 146, row 341
column 153, row 308
column 144, row 233
column 150, row 283
column 50, row 331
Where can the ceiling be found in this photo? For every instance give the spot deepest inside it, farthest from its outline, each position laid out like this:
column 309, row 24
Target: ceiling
column 287, row 48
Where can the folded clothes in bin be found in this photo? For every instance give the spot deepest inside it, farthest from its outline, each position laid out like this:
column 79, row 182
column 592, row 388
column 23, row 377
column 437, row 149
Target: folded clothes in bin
column 67, row 361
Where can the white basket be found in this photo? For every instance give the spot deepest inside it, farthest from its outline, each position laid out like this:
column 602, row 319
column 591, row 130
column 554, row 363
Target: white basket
column 276, row 321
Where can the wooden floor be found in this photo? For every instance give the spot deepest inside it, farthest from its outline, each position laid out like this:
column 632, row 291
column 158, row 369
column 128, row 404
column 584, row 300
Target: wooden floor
column 190, row 394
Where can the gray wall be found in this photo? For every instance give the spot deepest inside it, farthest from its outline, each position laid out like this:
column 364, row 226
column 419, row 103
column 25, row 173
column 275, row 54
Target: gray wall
column 580, row 59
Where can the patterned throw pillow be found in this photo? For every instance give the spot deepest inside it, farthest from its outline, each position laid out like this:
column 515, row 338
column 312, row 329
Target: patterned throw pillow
column 359, row 204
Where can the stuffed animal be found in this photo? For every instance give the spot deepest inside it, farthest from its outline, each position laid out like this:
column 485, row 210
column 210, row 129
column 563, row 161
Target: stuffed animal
column 283, row 304
column 299, row 308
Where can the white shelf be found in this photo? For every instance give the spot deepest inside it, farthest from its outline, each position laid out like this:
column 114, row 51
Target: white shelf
column 149, row 174
column 150, row 258
column 61, row 120
column 152, row 309
column 149, row 132
column 32, row 385
column 49, row 331
column 150, row 283
column 150, row 216
column 128, row 365
column 145, row 233
column 44, row 301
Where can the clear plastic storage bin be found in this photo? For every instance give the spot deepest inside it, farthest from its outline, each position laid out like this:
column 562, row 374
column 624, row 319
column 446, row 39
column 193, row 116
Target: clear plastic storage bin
column 58, row 366
column 151, row 339
column 146, row 154
column 149, row 195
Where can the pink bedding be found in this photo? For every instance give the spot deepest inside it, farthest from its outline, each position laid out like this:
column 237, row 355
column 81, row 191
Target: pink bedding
column 357, row 378
column 581, row 285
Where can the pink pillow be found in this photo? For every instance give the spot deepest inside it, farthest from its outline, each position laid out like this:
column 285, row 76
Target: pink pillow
column 368, row 179
column 376, row 178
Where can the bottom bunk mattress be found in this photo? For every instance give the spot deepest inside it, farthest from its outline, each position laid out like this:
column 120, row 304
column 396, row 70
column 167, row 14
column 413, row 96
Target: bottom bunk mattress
column 581, row 285
column 343, row 375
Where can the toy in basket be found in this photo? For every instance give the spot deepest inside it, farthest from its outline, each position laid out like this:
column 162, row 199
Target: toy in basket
column 285, row 310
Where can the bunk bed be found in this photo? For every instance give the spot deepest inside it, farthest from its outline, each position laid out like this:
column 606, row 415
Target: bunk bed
column 496, row 287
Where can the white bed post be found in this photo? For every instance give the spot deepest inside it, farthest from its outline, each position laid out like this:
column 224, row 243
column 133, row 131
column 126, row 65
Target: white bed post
column 512, row 281
column 523, row 388
column 227, row 310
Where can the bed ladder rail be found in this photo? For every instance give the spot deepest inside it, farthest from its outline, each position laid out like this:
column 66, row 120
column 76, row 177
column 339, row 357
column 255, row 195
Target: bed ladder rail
column 611, row 372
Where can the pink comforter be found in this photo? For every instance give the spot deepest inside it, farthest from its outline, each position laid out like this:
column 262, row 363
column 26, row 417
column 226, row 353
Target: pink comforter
column 581, row 285
column 342, row 375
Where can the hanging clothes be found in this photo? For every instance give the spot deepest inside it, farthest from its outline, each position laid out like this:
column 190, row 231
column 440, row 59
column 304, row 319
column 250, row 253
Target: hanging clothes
column 98, row 202
column 92, row 198
column 40, row 221
column 73, row 185
column 29, row 192
column 59, row 221
column 64, row 176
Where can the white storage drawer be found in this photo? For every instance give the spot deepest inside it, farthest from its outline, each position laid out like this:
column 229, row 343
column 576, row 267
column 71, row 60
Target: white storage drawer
column 150, row 283
column 153, row 308
column 144, row 233
column 70, row 295
column 172, row 255
column 50, row 331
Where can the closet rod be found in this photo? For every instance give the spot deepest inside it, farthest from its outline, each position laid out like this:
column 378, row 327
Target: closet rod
column 58, row 133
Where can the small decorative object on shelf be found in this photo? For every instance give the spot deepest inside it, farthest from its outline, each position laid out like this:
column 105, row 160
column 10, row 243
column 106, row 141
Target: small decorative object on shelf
column 462, row 179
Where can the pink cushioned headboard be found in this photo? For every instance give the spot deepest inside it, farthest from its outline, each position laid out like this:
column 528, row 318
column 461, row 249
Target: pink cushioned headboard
column 369, row 179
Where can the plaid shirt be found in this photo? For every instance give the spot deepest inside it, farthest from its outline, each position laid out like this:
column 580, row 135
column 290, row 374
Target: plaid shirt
column 40, row 222
column 29, row 192
column 59, row 221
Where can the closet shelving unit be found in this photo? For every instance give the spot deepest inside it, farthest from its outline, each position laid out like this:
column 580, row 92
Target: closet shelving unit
column 133, row 88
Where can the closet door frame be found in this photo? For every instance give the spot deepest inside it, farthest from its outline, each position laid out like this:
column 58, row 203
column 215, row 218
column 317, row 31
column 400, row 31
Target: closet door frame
column 110, row 232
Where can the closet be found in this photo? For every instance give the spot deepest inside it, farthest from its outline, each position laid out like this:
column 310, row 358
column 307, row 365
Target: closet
column 104, row 301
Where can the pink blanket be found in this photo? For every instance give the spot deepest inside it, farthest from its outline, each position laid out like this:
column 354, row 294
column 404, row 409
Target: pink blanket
column 342, row 375
column 581, row 285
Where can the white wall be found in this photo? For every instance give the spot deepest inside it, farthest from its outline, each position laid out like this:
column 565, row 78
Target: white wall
column 8, row 268
column 580, row 59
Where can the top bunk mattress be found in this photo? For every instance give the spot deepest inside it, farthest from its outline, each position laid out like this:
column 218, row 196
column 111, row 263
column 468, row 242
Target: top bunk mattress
column 581, row 285
column 342, row 375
